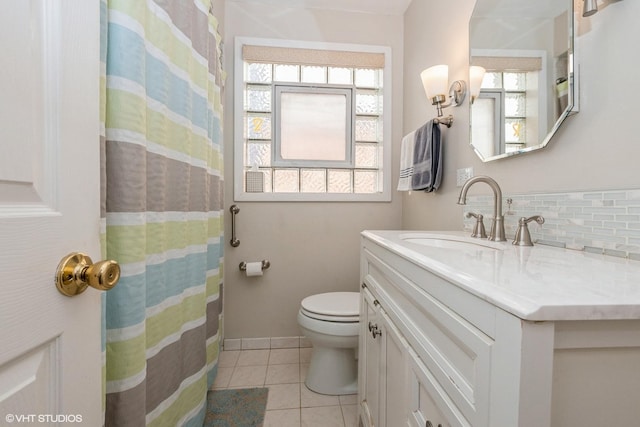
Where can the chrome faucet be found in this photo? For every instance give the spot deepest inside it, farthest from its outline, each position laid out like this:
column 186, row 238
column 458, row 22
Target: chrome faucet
column 497, row 223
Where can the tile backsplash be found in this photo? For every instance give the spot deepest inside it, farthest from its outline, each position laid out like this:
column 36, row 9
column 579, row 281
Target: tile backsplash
column 595, row 221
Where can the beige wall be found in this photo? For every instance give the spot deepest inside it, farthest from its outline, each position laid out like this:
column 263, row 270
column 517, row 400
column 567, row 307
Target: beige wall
column 595, row 149
column 312, row 247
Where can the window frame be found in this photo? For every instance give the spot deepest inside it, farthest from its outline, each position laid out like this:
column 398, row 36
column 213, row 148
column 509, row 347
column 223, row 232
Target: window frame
column 385, row 144
column 313, row 88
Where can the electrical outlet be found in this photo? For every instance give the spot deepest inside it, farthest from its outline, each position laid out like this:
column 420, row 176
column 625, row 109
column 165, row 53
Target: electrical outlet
column 463, row 175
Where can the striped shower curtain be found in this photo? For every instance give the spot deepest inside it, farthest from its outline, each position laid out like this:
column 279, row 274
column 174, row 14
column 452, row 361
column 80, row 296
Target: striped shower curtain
column 162, row 210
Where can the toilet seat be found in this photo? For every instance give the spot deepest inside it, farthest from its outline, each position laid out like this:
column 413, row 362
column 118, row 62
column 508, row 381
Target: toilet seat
column 342, row 307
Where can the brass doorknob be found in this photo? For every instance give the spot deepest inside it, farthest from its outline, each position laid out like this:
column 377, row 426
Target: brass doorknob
column 76, row 272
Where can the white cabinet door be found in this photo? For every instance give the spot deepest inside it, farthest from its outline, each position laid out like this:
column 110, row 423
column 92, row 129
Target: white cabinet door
column 423, row 408
column 50, row 355
column 369, row 374
column 382, row 367
column 393, row 407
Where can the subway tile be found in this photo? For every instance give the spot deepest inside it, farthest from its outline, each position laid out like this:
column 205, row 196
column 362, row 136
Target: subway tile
column 605, row 210
column 628, row 218
column 620, row 195
column 593, row 250
column 627, row 203
column 589, row 223
column 577, row 203
column 633, row 194
column 603, row 217
column 593, row 196
column 615, row 253
column 614, row 225
column 553, row 243
column 634, row 256
column 552, row 197
column 628, row 233
column 575, row 246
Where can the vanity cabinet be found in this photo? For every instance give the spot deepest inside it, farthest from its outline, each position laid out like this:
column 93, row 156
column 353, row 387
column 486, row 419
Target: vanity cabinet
column 432, row 352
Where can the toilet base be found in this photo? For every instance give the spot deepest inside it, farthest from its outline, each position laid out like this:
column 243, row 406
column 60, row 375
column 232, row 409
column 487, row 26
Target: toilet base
column 333, row 371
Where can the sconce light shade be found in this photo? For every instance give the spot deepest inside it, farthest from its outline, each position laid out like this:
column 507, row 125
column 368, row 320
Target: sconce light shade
column 435, row 81
column 476, row 74
column 590, row 7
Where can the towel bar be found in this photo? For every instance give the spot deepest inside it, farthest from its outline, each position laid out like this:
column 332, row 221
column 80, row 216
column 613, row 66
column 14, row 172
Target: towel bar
column 448, row 121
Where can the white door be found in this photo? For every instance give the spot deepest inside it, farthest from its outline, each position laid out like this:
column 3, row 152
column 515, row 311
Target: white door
column 50, row 355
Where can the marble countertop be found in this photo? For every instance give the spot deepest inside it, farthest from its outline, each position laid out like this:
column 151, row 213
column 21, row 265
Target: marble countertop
column 534, row 283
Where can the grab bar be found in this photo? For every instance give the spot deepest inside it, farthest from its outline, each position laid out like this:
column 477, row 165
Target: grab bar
column 234, row 209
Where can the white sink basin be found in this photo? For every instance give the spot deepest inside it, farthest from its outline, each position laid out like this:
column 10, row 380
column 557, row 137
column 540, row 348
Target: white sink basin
column 445, row 241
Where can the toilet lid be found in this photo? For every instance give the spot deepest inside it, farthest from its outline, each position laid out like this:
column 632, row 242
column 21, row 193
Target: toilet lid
column 336, row 304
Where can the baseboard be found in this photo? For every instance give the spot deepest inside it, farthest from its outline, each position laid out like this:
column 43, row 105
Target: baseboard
column 265, row 343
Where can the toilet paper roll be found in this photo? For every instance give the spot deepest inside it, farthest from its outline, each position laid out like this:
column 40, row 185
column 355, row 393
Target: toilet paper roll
column 254, row 269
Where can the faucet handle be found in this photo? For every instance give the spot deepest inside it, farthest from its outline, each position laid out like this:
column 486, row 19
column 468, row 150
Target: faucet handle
column 523, row 237
column 478, row 229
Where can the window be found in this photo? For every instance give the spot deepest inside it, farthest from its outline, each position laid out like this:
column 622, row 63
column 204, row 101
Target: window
column 313, row 126
column 310, row 122
column 511, row 110
column 510, row 89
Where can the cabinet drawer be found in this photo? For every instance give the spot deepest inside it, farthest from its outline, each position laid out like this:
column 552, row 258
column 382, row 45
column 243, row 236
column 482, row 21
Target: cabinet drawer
column 456, row 353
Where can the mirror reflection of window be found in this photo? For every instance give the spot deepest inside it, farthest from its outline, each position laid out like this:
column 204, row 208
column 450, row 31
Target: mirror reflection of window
column 534, row 38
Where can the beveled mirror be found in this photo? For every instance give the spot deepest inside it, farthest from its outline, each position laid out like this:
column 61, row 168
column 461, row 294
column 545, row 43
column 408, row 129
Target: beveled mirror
column 528, row 90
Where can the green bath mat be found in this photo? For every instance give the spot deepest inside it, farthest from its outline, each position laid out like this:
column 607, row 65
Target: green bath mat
column 243, row 407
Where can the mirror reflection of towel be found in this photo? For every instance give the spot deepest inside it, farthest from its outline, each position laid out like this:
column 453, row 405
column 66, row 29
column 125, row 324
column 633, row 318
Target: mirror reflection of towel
column 562, row 90
column 427, row 158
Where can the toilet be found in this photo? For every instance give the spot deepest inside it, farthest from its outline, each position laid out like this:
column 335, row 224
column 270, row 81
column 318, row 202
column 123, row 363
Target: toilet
column 331, row 322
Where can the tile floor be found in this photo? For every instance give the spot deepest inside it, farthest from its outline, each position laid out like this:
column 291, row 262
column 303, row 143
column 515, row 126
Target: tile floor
column 290, row 402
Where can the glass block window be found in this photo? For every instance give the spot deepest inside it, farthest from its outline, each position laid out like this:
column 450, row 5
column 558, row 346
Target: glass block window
column 312, row 126
column 513, row 89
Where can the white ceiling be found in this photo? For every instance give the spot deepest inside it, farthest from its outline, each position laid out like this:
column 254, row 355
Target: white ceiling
column 383, row 7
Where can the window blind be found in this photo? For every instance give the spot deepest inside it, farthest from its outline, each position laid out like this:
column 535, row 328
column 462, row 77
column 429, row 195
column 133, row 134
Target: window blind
column 297, row 56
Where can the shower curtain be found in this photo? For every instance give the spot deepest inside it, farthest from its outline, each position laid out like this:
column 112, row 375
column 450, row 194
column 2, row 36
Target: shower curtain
column 162, row 208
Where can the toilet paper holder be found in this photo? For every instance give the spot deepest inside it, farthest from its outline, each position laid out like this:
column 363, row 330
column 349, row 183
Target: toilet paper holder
column 265, row 264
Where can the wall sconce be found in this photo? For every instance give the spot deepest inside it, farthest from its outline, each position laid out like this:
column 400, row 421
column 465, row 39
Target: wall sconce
column 436, row 81
column 589, row 7
column 476, row 74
